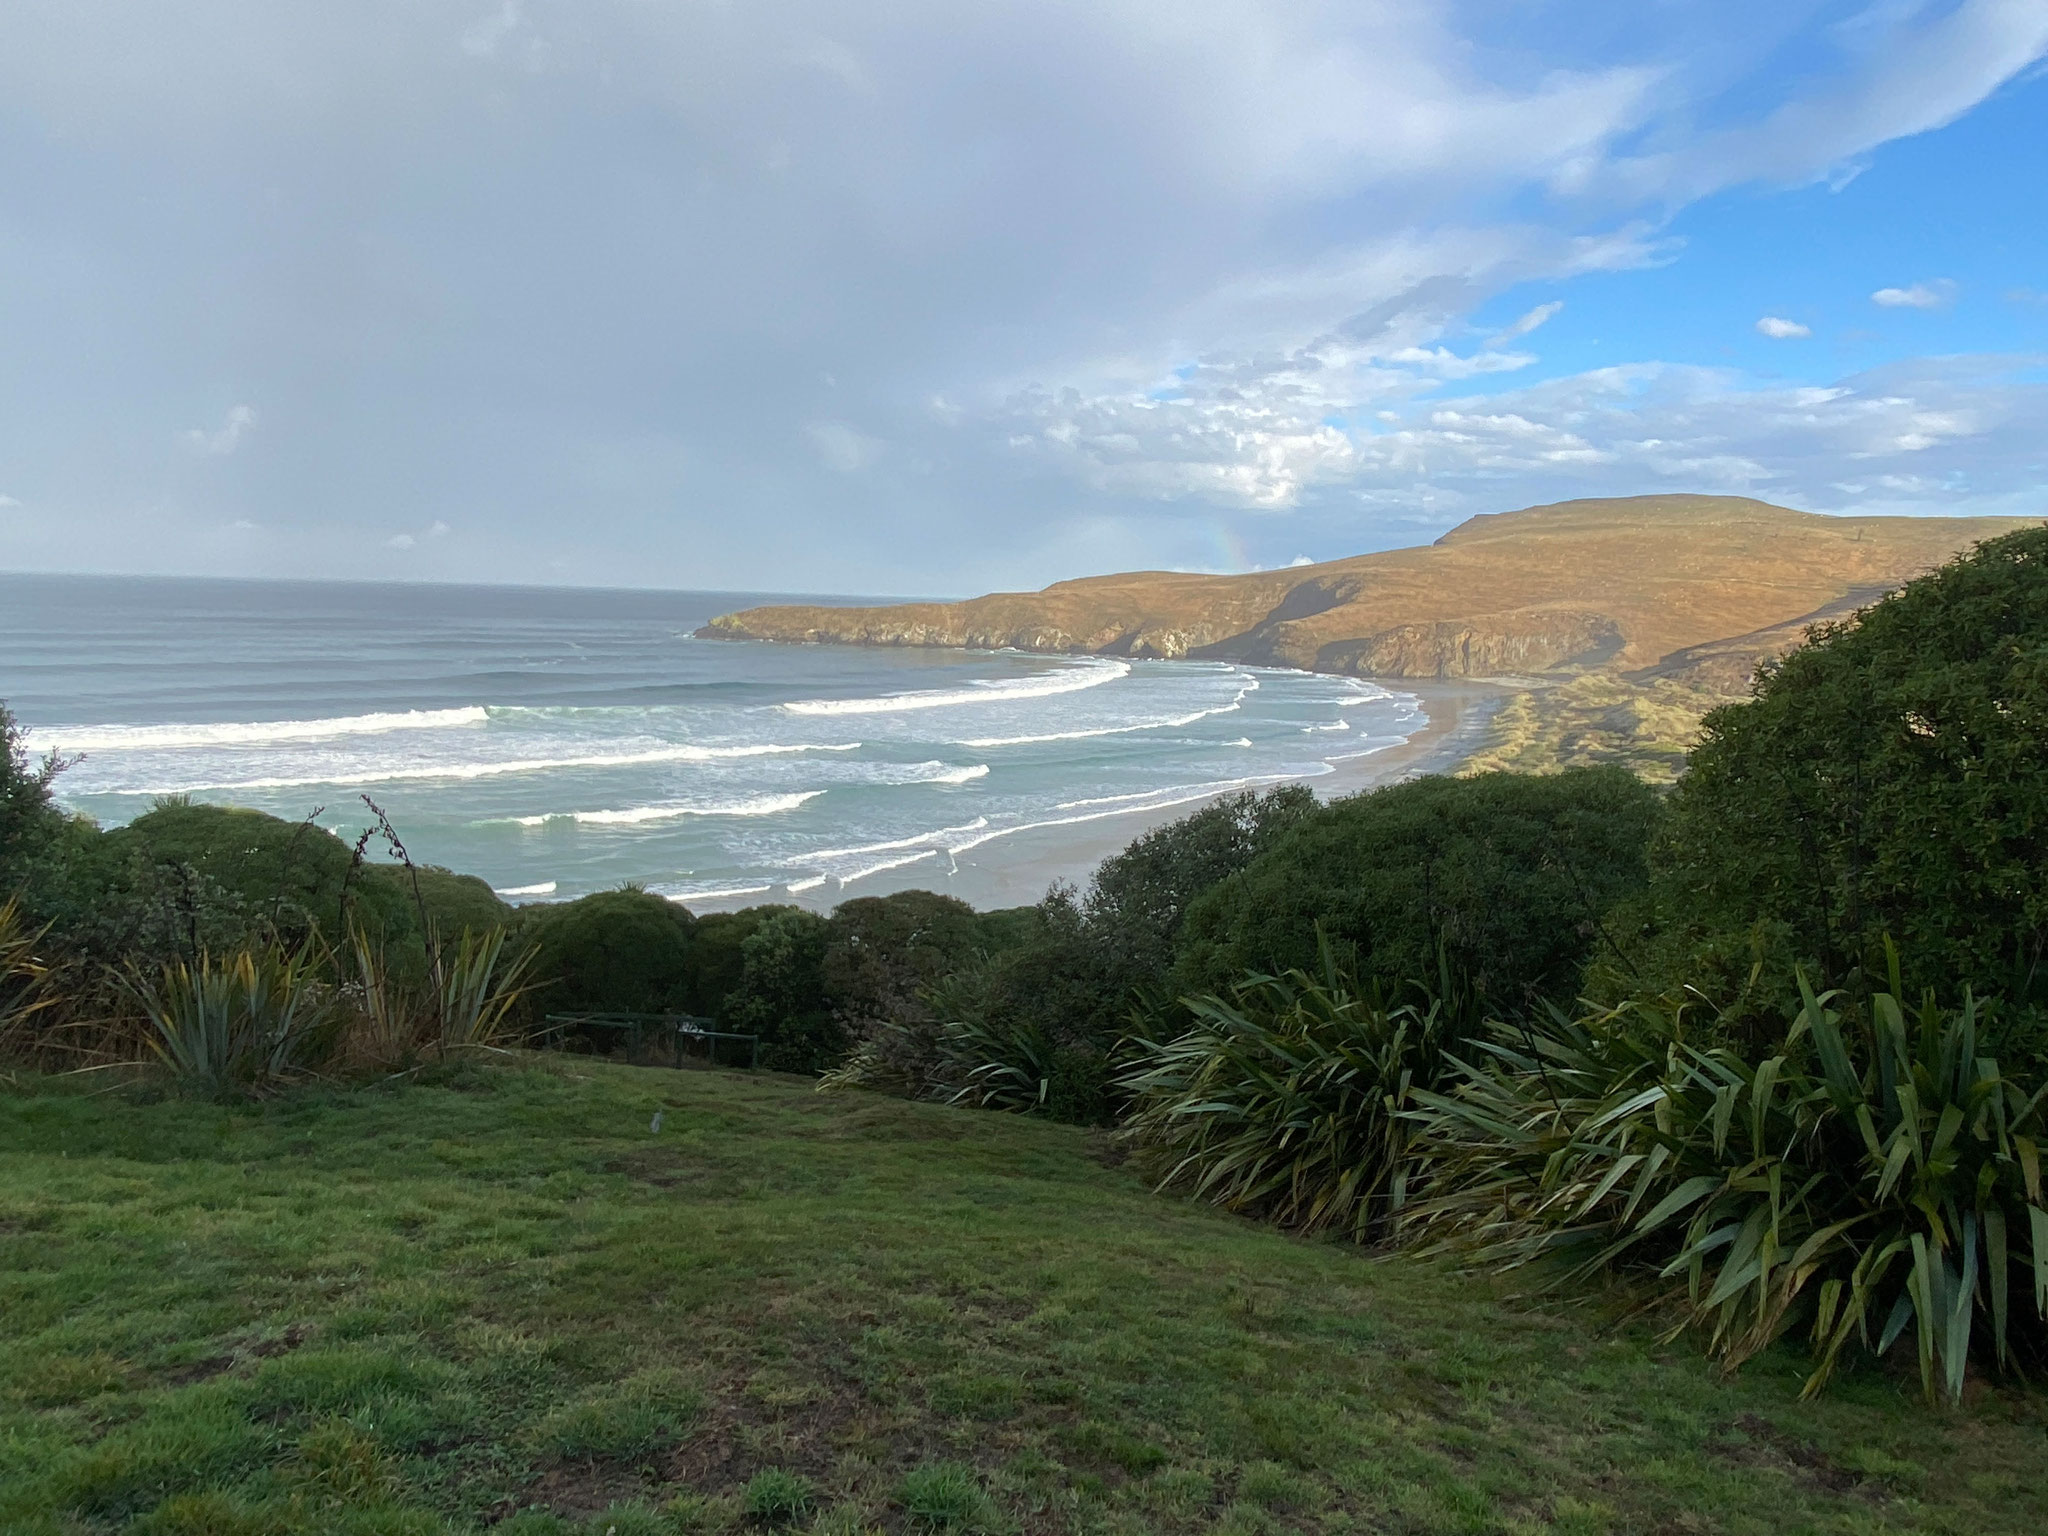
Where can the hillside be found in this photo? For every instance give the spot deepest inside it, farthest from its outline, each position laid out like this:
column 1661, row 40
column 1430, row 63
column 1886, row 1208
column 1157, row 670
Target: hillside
column 1679, row 594
column 424, row 1307
column 1630, row 583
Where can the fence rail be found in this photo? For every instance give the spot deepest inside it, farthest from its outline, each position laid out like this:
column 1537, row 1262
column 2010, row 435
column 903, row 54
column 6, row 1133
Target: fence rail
column 638, row 1030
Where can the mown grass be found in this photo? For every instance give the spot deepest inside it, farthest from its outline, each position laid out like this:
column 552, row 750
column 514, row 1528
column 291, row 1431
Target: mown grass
column 501, row 1298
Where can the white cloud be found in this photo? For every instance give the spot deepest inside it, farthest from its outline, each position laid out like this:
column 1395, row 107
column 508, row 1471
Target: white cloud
column 219, row 444
column 8, row 503
column 842, row 449
column 1952, row 434
column 439, row 530
column 1908, row 67
column 1778, row 328
column 1301, row 560
column 400, row 541
column 1529, row 322
column 1442, row 363
column 1919, row 296
column 482, row 38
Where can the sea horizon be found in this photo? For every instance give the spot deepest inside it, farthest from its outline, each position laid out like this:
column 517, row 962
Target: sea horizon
column 559, row 740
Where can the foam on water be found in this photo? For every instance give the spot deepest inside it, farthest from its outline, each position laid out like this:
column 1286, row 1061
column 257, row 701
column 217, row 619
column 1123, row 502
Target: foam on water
column 557, row 743
column 244, row 733
column 1069, row 679
column 399, row 774
column 764, row 805
column 916, row 840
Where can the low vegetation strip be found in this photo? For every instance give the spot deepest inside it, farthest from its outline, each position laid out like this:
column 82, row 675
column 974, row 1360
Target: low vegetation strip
column 497, row 1297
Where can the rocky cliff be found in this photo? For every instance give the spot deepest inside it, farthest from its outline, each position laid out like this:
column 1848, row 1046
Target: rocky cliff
column 1690, row 588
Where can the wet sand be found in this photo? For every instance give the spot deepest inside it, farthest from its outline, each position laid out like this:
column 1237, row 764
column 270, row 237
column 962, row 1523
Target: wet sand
column 1016, row 870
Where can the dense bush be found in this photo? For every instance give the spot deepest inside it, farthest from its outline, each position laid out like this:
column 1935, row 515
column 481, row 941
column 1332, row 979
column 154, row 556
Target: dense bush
column 1889, row 778
column 1508, row 874
column 780, row 994
column 1866, row 1174
column 1139, row 899
column 613, row 952
column 28, row 819
column 882, row 953
column 1034, row 1024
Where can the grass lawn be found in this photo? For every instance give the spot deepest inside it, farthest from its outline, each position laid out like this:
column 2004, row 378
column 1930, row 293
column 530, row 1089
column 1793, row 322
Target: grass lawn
column 501, row 1298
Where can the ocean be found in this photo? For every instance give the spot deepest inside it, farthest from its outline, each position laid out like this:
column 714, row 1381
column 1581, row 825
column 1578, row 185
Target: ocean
column 560, row 741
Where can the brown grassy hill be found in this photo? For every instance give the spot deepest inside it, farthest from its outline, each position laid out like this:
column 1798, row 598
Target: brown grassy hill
column 1692, row 589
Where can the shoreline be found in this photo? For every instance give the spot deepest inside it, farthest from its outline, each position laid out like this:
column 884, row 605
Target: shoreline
column 1021, row 866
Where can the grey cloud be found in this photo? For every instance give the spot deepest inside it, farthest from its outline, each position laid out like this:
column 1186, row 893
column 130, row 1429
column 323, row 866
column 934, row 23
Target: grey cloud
column 736, row 294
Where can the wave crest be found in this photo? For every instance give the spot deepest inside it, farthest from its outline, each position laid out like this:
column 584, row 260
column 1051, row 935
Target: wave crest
column 1046, row 684
column 679, row 754
column 760, row 805
column 245, row 733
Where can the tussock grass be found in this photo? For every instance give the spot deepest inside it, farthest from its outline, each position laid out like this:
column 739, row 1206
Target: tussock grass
column 1596, row 718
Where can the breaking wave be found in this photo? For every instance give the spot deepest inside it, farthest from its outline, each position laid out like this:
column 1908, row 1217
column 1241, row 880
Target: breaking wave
column 1070, row 679
column 760, row 805
column 488, row 770
column 245, row 733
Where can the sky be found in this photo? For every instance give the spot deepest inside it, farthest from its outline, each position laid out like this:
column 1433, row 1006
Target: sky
column 904, row 296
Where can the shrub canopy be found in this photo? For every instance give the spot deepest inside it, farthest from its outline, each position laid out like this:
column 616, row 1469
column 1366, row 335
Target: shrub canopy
column 781, row 992
column 1510, row 873
column 1889, row 778
column 612, row 952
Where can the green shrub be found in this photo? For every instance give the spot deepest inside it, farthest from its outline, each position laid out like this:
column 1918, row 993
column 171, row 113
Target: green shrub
column 775, row 1497
column 1285, row 1098
column 718, row 956
column 1888, row 778
column 781, row 993
column 1031, row 1019
column 1855, row 1182
column 1508, row 873
column 622, row 951
column 997, row 1057
column 29, row 819
column 1140, row 897
column 882, row 952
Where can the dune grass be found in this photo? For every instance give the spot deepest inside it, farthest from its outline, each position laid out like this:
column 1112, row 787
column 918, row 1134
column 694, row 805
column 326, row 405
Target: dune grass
column 1595, row 718
column 499, row 1299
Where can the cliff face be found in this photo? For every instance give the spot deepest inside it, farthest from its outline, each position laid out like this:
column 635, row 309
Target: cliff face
column 1696, row 588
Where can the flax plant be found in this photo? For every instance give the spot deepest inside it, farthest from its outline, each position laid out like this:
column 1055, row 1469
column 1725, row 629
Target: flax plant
column 1877, row 1173
column 479, row 989
column 466, row 1000
column 1285, row 1098
column 242, row 1020
column 23, row 975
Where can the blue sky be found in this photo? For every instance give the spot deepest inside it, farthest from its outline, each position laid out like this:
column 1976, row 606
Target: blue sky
column 905, row 297
column 1958, row 210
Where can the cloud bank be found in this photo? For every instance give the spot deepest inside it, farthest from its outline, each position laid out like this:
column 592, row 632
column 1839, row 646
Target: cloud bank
column 914, row 297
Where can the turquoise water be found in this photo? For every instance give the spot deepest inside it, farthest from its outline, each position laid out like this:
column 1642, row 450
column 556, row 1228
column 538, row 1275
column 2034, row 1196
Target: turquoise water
column 562, row 741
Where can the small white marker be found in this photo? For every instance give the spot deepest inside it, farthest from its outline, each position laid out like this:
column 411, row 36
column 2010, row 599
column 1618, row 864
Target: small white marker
column 654, row 1125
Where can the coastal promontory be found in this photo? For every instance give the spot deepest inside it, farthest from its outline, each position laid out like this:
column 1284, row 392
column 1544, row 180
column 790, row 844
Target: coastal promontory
column 1629, row 605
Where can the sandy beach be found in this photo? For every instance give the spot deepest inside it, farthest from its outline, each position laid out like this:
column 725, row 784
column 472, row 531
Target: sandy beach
column 1017, row 870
